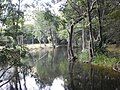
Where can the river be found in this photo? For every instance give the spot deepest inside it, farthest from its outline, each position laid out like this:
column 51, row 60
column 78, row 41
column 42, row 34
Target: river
column 52, row 71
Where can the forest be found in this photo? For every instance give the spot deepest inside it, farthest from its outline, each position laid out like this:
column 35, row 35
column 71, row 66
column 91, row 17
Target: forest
column 59, row 45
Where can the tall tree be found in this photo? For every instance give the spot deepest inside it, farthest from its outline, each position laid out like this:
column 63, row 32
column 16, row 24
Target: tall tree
column 91, row 47
column 100, row 11
column 11, row 18
column 78, row 14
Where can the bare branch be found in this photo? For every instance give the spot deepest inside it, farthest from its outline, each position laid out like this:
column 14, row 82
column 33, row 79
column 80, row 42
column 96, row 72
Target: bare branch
column 43, row 55
column 5, row 71
column 6, row 81
column 92, row 5
column 78, row 20
column 67, row 26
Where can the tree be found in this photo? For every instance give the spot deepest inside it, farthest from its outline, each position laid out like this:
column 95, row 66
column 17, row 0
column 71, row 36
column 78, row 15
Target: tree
column 91, row 47
column 48, row 23
column 11, row 18
column 29, row 33
column 77, row 15
column 111, row 22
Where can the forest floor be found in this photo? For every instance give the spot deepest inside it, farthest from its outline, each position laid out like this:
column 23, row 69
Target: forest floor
column 37, row 46
column 113, row 48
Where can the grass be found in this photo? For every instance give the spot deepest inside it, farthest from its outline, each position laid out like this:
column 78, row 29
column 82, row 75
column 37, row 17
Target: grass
column 106, row 61
column 100, row 59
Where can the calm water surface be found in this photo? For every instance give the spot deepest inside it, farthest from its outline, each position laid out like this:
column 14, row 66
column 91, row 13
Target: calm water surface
column 54, row 73
column 51, row 71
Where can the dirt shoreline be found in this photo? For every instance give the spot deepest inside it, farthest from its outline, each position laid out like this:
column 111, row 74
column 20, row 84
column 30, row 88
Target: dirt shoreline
column 34, row 46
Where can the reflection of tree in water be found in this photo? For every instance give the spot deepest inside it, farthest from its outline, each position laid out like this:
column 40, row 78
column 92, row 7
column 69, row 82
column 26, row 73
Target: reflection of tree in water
column 51, row 65
column 87, row 77
column 71, row 85
column 79, row 76
column 12, row 67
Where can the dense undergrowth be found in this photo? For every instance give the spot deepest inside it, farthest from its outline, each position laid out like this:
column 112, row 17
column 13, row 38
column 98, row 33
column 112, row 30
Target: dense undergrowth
column 99, row 59
column 104, row 60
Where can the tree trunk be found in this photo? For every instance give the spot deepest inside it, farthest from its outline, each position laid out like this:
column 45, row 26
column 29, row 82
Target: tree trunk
column 71, row 76
column 16, row 78
column 91, row 49
column 100, row 24
column 52, row 38
column 83, row 40
column 32, row 39
column 24, row 72
column 70, row 45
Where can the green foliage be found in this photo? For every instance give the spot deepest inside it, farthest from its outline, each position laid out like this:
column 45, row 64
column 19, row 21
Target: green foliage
column 115, row 15
column 63, row 34
column 54, row 20
column 12, row 56
column 111, row 22
column 45, row 19
column 11, row 18
column 40, row 21
column 42, row 25
column 103, row 60
column 28, row 31
column 83, row 56
column 48, row 16
column 9, row 56
column 77, row 7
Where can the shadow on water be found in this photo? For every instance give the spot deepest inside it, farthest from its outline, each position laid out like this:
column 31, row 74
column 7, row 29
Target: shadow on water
column 52, row 71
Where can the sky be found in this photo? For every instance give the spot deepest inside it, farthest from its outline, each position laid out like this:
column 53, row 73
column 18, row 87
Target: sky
column 31, row 0
column 28, row 11
column 39, row 4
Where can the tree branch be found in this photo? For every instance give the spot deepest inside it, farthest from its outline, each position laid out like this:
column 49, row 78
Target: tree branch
column 68, row 31
column 6, row 70
column 75, row 7
column 78, row 20
column 43, row 55
column 6, row 81
column 92, row 5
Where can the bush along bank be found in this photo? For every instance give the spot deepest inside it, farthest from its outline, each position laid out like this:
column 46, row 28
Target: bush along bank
column 101, row 60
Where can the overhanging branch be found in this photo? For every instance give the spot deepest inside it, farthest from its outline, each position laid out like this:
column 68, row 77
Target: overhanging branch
column 92, row 5
column 78, row 20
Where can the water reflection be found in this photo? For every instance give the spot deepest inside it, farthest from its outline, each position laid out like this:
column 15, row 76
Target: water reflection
column 77, row 76
column 51, row 71
column 31, row 84
column 87, row 77
column 58, row 84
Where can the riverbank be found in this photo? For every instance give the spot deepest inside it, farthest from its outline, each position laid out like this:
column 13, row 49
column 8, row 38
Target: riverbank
column 113, row 48
column 111, row 60
column 35, row 46
column 38, row 46
column 100, row 60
